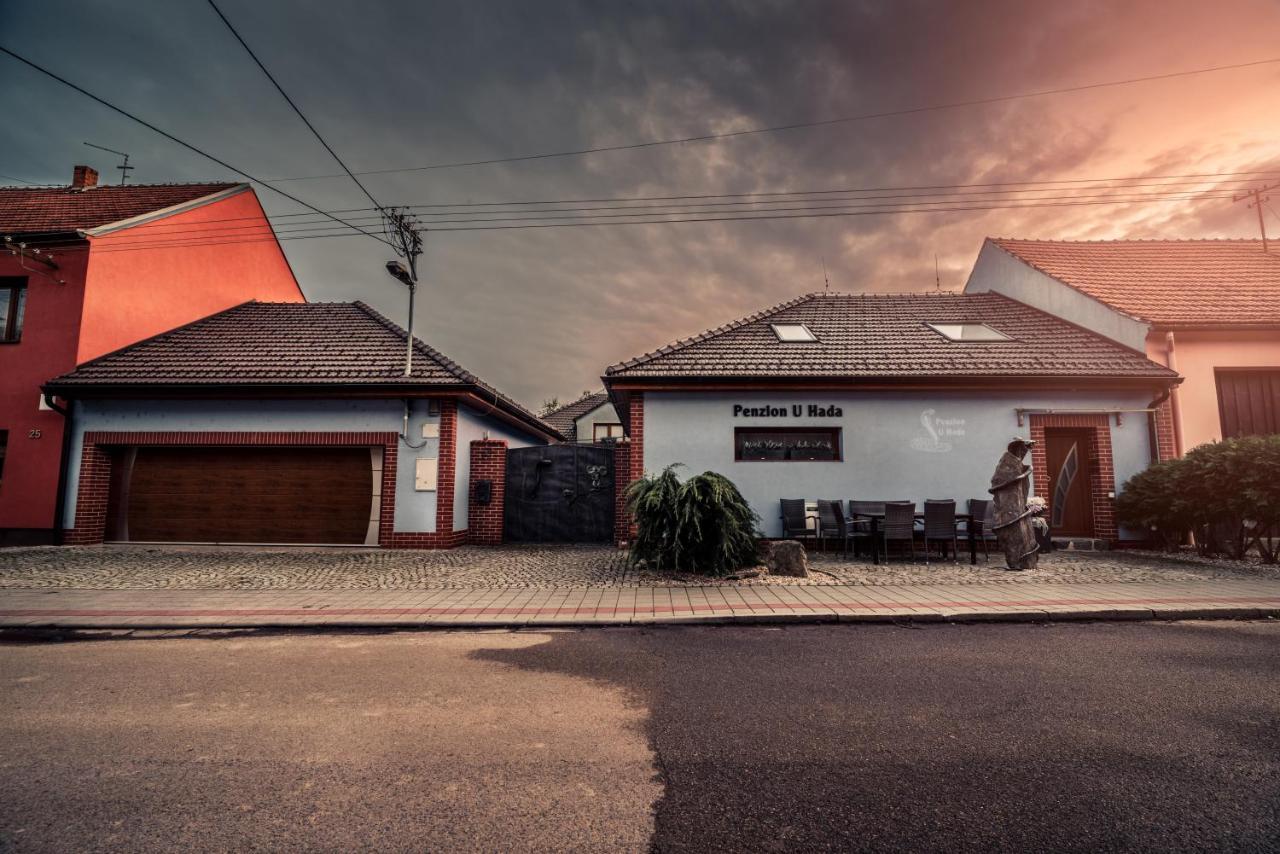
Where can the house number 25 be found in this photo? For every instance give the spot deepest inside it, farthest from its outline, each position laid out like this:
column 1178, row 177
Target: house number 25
column 34, row 434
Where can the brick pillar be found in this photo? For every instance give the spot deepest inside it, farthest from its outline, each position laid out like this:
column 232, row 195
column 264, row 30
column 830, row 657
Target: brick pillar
column 92, row 494
column 488, row 462
column 621, row 480
column 1165, row 445
column 444, row 482
column 636, row 470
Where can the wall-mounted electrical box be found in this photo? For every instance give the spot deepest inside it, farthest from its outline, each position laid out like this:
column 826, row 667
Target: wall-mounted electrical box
column 484, row 492
column 431, row 431
column 426, row 474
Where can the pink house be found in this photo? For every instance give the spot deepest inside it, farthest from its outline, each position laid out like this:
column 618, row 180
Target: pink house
column 1209, row 309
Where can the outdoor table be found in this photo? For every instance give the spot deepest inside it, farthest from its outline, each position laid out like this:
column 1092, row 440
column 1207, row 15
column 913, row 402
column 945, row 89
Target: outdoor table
column 875, row 531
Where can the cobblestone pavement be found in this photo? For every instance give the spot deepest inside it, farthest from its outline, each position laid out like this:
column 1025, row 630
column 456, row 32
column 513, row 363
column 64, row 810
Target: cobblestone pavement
column 221, row 568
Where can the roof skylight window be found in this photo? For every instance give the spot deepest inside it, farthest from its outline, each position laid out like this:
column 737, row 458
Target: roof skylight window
column 968, row 332
column 793, row 332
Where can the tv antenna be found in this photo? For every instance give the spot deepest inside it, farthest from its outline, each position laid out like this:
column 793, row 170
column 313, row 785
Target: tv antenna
column 826, row 280
column 937, row 277
column 124, row 167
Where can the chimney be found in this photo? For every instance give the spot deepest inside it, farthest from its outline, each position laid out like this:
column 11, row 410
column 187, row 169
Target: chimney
column 84, row 177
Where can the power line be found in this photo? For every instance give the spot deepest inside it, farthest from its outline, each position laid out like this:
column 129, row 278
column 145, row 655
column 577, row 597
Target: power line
column 21, row 180
column 808, row 214
column 184, row 144
column 932, row 198
column 777, row 196
column 295, row 107
column 849, row 204
column 799, row 125
column 184, row 234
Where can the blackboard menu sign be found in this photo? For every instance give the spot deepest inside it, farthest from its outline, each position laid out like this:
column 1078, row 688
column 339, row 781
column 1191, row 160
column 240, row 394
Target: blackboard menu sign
column 793, row 444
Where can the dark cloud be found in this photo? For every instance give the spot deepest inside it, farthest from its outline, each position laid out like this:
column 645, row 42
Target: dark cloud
column 542, row 312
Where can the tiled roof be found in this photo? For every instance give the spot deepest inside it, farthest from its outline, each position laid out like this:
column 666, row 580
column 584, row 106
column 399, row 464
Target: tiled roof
column 39, row 210
column 1166, row 282
column 281, row 344
column 886, row 336
column 565, row 418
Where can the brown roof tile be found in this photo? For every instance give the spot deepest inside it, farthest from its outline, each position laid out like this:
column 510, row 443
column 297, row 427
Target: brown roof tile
column 281, row 344
column 886, row 336
column 41, row 210
column 1166, row 282
column 565, row 418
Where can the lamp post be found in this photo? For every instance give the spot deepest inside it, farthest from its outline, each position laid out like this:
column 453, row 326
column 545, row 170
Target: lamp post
column 409, row 277
column 405, row 235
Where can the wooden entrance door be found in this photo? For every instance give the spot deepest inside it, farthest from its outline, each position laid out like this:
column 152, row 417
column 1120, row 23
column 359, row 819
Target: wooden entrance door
column 1070, row 499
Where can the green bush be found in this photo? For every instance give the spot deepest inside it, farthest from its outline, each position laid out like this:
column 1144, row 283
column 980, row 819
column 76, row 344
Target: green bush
column 1225, row 493
column 703, row 525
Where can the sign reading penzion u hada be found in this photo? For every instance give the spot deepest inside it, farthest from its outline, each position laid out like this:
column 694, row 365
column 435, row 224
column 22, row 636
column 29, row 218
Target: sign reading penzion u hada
column 797, row 410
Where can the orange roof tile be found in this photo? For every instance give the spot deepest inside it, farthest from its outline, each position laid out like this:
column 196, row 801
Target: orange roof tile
column 1166, row 282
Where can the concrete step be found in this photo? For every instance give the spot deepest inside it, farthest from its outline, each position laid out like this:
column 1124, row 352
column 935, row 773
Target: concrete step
column 1080, row 544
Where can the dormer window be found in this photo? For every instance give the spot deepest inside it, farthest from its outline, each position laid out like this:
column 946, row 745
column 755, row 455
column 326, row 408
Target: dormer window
column 793, row 332
column 968, row 332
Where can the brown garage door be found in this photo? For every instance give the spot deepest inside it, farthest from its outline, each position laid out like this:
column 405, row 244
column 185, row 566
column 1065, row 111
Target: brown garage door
column 246, row 495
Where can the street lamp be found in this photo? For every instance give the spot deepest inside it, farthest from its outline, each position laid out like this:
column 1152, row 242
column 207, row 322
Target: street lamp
column 407, row 277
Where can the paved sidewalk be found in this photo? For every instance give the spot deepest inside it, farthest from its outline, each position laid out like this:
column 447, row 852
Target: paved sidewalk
column 519, row 607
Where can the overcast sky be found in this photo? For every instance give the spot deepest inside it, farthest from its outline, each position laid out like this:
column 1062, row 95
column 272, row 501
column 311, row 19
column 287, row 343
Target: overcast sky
column 542, row 312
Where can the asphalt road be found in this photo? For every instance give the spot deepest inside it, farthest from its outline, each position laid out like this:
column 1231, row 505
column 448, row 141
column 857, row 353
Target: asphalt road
column 1086, row 737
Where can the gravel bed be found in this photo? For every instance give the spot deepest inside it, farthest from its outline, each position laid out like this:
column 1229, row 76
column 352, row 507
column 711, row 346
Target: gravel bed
column 227, row 568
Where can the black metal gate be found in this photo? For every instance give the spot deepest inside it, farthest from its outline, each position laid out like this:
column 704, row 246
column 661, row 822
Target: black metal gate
column 559, row 494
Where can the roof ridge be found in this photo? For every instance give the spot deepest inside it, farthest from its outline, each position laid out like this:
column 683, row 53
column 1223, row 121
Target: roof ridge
column 418, row 344
column 450, row 365
column 1117, row 240
column 708, row 334
column 73, row 188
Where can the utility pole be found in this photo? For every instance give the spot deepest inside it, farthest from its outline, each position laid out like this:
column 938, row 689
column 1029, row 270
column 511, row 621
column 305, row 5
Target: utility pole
column 404, row 233
column 1258, row 201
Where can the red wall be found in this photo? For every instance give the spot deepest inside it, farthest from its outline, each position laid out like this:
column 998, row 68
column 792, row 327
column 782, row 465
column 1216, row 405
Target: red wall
column 113, row 298
column 50, row 331
column 221, row 255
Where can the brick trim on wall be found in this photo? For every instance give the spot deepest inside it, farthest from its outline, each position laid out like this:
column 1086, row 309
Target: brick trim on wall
column 95, row 475
column 1166, row 445
column 624, row 529
column 621, row 480
column 1102, row 472
column 488, row 462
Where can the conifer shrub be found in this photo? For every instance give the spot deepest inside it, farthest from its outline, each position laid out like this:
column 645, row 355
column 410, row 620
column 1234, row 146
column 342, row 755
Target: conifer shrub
column 702, row 525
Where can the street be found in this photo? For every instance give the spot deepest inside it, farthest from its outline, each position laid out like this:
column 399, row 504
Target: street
column 1080, row 737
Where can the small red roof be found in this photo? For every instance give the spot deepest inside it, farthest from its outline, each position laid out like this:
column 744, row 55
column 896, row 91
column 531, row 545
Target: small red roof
column 44, row 210
column 1185, row 283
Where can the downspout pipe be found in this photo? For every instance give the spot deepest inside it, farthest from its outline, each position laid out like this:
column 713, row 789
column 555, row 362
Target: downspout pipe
column 1171, row 362
column 59, row 508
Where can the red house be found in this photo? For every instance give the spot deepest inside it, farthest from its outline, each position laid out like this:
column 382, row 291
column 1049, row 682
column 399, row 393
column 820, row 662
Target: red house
column 88, row 269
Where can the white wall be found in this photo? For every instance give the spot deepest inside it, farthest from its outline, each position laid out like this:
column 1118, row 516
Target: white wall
column 999, row 272
column 888, row 453
column 602, row 414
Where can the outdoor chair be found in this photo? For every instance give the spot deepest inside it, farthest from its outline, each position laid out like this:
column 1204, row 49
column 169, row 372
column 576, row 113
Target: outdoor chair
column 899, row 525
column 981, row 517
column 872, row 508
column 830, row 521
column 846, row 529
column 940, row 524
column 795, row 523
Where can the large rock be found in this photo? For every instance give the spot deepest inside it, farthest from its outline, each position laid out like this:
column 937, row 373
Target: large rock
column 787, row 557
